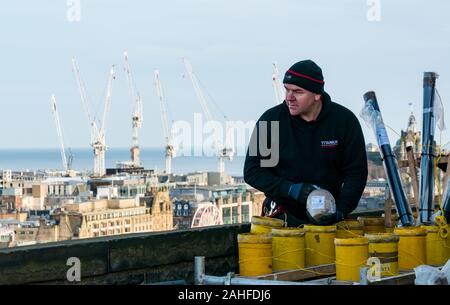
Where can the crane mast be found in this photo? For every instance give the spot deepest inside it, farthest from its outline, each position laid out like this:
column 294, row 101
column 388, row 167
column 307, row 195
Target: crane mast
column 60, row 136
column 98, row 142
column 137, row 114
column 170, row 150
column 276, row 83
column 99, row 145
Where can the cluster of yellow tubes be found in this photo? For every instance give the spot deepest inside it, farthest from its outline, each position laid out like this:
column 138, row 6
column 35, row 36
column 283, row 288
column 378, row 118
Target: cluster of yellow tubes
column 271, row 247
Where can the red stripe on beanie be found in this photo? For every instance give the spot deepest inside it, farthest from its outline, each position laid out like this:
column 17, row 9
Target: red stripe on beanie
column 308, row 77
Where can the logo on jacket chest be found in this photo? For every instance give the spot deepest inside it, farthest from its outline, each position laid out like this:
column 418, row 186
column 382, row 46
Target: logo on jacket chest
column 329, row 144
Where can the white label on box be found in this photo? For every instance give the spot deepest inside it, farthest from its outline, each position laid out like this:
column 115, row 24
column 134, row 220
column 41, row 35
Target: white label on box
column 318, row 202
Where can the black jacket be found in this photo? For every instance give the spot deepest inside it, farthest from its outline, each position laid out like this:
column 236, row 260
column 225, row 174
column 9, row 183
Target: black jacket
column 329, row 152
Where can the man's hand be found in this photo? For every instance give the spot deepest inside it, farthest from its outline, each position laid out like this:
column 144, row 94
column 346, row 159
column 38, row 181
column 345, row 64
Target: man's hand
column 300, row 192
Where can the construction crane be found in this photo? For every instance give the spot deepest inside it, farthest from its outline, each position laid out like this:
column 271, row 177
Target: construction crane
column 98, row 142
column 223, row 152
column 137, row 114
column 170, row 150
column 276, row 83
column 65, row 163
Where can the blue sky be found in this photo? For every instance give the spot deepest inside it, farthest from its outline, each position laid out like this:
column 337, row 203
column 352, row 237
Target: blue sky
column 231, row 45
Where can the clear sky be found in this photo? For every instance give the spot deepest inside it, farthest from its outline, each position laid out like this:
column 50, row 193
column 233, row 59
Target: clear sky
column 231, row 44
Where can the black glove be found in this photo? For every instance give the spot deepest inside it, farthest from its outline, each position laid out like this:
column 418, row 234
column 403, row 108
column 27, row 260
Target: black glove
column 300, row 192
column 447, row 216
column 327, row 219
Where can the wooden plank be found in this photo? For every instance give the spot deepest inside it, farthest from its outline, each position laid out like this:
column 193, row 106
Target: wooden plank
column 301, row 274
column 388, row 211
column 446, row 177
column 413, row 174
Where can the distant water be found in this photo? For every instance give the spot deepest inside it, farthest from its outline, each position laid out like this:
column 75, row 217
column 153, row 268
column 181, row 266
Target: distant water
column 151, row 158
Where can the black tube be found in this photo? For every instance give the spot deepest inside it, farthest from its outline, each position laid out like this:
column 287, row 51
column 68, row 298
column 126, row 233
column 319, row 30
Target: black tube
column 446, row 200
column 390, row 165
column 427, row 160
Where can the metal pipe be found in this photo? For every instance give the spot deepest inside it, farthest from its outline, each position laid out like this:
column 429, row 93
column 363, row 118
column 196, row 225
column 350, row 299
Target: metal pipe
column 363, row 276
column 174, row 282
column 200, row 278
column 230, row 280
column 427, row 160
column 199, row 270
column 372, row 114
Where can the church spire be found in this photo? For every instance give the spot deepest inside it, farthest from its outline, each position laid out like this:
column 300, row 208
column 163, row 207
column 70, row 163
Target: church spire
column 412, row 123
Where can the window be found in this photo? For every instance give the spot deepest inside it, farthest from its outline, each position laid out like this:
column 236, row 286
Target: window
column 245, row 213
column 226, row 212
column 234, row 215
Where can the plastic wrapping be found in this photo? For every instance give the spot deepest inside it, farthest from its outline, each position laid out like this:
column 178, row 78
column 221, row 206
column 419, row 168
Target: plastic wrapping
column 439, row 111
column 371, row 114
column 446, row 270
column 433, row 218
column 373, row 119
column 320, row 204
column 428, row 154
column 427, row 275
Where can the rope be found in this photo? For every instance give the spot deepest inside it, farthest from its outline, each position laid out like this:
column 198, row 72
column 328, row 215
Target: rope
column 225, row 117
column 440, row 220
column 412, row 255
column 346, row 228
column 438, row 181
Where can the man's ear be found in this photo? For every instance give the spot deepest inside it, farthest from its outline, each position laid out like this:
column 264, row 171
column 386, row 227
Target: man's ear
column 317, row 97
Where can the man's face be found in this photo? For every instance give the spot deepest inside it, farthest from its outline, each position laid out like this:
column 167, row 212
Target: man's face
column 300, row 101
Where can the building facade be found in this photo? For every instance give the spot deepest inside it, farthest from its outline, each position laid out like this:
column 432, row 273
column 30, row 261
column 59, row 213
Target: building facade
column 106, row 217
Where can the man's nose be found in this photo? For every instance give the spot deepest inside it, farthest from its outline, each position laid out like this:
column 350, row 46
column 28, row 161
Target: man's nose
column 289, row 95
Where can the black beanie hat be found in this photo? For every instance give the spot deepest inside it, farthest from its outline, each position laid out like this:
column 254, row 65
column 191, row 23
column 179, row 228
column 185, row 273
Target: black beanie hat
column 307, row 75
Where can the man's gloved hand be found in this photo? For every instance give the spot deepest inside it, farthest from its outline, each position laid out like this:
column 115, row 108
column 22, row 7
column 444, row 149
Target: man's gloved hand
column 328, row 219
column 447, row 216
column 300, row 192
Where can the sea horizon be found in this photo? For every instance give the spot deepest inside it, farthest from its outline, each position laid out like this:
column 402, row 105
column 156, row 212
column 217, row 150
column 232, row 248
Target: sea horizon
column 23, row 159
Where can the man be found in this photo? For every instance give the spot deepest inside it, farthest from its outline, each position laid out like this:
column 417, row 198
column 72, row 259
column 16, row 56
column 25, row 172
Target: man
column 321, row 145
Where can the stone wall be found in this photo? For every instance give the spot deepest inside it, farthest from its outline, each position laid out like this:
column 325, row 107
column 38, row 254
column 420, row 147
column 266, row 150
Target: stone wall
column 130, row 259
